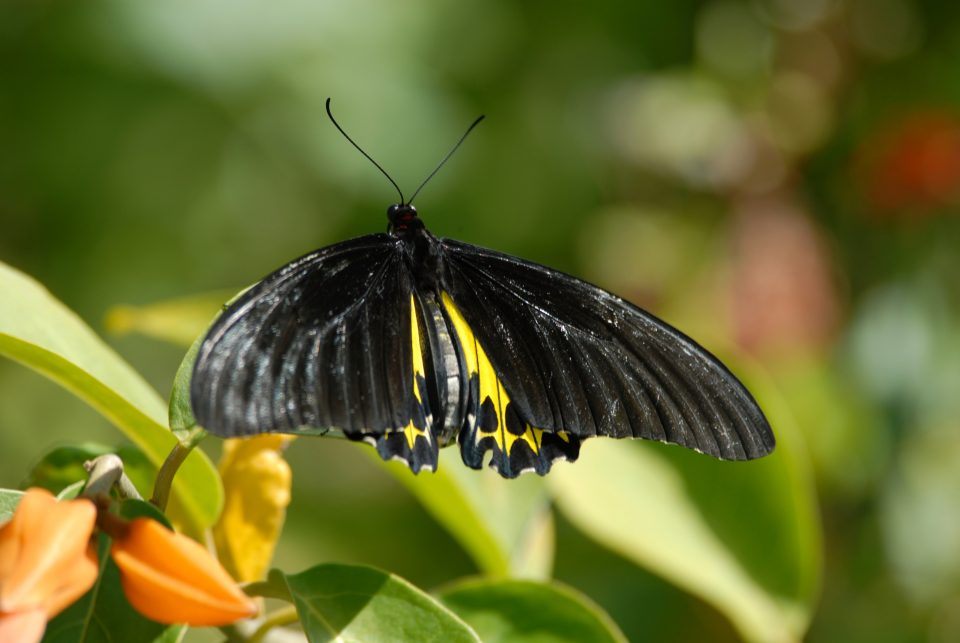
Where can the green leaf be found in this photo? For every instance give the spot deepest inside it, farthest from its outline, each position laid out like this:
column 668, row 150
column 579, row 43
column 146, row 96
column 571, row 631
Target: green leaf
column 517, row 611
column 103, row 615
column 355, row 603
column 505, row 525
column 9, row 499
column 744, row 536
column 131, row 509
column 40, row 332
column 275, row 586
column 72, row 491
column 180, row 412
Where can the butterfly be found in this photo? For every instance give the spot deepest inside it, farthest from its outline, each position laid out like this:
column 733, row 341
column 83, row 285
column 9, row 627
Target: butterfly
column 410, row 343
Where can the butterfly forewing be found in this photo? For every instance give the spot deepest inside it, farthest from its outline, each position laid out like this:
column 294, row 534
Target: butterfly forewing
column 578, row 361
column 325, row 343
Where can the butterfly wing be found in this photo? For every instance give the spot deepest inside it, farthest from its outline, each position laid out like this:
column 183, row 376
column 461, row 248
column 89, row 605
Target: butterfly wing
column 323, row 344
column 559, row 360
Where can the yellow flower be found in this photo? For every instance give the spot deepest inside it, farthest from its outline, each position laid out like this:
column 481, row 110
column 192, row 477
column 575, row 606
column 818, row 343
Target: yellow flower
column 171, row 579
column 256, row 483
column 46, row 562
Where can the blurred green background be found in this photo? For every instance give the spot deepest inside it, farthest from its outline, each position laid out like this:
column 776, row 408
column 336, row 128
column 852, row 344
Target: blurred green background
column 778, row 178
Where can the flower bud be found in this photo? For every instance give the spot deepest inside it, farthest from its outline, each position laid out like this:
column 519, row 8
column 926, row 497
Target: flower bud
column 170, row 578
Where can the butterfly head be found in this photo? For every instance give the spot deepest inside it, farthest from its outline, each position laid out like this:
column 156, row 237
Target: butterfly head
column 403, row 216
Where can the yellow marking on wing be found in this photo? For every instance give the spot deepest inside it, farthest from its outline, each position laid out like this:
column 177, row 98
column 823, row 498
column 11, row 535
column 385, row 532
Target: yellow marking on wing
column 532, row 436
column 490, row 385
column 464, row 333
column 417, row 350
column 410, row 431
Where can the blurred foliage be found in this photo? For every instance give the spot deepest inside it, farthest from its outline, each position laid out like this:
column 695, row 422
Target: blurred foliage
column 778, row 178
column 38, row 331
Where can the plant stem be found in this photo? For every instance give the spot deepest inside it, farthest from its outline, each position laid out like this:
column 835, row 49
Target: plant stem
column 283, row 616
column 161, row 486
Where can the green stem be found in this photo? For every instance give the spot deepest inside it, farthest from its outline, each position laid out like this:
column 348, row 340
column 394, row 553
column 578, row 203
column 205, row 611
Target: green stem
column 283, row 616
column 161, row 486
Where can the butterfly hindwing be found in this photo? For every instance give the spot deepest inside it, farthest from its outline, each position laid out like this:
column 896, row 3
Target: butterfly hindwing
column 414, row 443
column 328, row 342
column 493, row 421
column 575, row 360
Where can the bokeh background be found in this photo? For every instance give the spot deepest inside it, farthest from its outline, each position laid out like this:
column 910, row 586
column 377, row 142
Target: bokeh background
column 779, row 178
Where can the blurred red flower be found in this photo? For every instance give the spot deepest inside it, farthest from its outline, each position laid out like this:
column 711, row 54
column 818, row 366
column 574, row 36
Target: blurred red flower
column 912, row 164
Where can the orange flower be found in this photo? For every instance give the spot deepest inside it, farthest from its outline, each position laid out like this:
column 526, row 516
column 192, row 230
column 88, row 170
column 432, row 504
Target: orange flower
column 46, row 562
column 171, row 579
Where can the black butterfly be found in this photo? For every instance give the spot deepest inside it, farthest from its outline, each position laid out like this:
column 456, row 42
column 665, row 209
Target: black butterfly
column 410, row 342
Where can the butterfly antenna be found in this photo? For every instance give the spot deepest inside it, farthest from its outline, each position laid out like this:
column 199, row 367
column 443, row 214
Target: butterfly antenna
column 360, row 149
column 447, row 157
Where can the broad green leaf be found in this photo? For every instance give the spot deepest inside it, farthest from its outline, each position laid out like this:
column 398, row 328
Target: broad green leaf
column 40, row 332
column 505, row 525
column 177, row 321
column 743, row 536
column 103, row 614
column 9, row 499
column 353, row 603
column 517, row 611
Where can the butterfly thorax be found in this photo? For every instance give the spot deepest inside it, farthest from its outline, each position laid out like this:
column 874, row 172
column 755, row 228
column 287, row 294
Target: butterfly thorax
column 422, row 247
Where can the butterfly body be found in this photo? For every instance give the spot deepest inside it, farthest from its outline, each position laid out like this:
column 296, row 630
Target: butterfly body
column 411, row 343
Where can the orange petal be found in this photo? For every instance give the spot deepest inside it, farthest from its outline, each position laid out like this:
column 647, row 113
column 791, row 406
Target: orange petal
column 9, row 546
column 44, row 559
column 76, row 581
column 172, row 579
column 23, row 627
